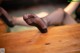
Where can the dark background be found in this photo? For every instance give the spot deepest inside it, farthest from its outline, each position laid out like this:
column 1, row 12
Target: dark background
column 12, row 4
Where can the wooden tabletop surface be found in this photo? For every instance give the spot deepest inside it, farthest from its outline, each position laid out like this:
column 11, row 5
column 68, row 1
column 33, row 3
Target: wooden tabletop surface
column 60, row 39
column 3, row 27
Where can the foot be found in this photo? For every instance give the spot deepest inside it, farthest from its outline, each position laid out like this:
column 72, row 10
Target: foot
column 33, row 20
column 5, row 17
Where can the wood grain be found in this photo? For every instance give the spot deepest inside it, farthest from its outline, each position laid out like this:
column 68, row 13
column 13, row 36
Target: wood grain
column 3, row 27
column 61, row 39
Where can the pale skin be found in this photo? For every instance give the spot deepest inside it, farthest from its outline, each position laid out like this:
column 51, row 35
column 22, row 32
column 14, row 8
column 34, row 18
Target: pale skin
column 71, row 7
column 69, row 10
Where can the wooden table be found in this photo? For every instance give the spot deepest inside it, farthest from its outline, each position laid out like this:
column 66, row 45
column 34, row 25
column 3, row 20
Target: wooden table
column 61, row 39
column 3, row 27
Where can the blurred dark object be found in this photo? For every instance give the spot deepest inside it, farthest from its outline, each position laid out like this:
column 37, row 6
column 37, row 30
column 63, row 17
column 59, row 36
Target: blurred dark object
column 78, row 14
column 12, row 4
